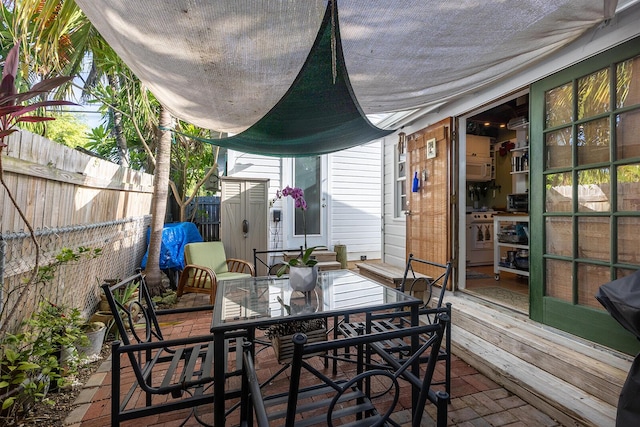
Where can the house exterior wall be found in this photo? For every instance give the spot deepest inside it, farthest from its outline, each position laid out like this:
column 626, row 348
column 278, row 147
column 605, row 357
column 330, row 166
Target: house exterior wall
column 353, row 197
column 355, row 190
column 621, row 28
column 394, row 228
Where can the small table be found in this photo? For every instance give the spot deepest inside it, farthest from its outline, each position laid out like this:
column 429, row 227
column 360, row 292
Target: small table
column 245, row 304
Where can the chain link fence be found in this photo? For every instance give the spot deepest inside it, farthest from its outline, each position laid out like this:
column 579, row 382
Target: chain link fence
column 75, row 284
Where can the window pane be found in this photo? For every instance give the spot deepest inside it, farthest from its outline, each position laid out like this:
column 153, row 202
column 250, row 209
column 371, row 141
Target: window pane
column 558, row 149
column 559, row 106
column 593, row 94
column 628, row 82
column 590, row 278
column 559, row 236
column 623, row 272
column 629, row 188
column 627, row 131
column 559, row 280
column 307, row 177
column 594, row 190
column 594, row 238
column 559, row 194
column 593, row 142
column 628, row 240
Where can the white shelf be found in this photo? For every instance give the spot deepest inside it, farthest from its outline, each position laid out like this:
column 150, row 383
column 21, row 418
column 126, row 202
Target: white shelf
column 511, row 270
column 497, row 268
column 526, row 148
column 519, row 172
column 512, row 245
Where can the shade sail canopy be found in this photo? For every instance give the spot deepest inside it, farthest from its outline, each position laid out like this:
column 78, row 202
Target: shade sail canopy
column 318, row 114
column 224, row 64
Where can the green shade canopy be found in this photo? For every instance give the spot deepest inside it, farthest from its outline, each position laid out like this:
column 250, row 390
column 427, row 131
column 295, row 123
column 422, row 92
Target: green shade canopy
column 319, row 114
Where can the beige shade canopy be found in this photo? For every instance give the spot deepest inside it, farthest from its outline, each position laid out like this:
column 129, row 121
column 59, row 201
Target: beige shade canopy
column 223, row 64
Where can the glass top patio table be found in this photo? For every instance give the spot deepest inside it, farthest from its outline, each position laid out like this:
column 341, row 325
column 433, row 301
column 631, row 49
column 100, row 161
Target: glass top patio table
column 260, row 301
column 249, row 303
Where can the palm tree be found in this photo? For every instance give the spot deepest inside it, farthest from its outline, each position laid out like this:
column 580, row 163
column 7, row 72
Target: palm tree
column 159, row 203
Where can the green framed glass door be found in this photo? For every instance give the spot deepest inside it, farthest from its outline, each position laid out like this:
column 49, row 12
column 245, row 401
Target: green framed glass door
column 585, row 192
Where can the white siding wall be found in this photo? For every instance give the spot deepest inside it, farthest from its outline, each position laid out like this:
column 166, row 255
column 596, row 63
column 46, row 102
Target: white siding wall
column 394, row 228
column 354, row 198
column 355, row 191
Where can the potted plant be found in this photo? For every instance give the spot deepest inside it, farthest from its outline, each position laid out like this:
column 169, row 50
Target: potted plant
column 303, row 272
column 124, row 297
column 281, row 334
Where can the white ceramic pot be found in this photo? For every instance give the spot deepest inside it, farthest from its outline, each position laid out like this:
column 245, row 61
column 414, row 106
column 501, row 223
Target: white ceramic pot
column 96, row 338
column 303, row 279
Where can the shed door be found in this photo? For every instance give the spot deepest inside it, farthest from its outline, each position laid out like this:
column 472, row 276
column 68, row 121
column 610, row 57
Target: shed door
column 428, row 215
column 243, row 217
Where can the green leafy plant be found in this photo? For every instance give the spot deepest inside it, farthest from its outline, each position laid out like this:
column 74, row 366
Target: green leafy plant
column 124, row 297
column 42, row 354
column 305, row 261
column 32, row 360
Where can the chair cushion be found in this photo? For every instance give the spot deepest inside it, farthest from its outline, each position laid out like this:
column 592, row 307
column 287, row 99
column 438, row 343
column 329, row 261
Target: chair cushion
column 231, row 275
column 207, row 254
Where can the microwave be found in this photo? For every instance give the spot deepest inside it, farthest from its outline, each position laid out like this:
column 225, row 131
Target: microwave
column 479, row 168
column 518, row 202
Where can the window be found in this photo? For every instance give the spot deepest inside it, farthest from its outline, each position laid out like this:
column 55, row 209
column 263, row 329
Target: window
column 401, row 177
column 307, row 176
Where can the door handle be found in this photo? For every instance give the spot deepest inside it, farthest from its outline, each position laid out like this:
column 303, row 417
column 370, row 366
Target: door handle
column 407, row 213
column 245, row 227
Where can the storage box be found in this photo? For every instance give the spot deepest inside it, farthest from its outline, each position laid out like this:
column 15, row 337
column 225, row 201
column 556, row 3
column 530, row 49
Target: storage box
column 283, row 345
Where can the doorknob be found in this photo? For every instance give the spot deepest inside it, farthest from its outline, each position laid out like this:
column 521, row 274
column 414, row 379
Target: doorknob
column 407, row 213
column 245, row 227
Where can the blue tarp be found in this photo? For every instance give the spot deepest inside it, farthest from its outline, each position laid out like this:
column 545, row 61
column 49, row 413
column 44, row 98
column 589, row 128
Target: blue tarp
column 175, row 237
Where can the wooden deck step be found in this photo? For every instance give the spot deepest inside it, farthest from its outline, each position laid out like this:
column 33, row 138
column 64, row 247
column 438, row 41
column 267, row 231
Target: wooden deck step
column 329, row 265
column 383, row 273
column 573, row 381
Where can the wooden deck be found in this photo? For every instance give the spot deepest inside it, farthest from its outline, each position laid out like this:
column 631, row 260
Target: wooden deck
column 573, row 381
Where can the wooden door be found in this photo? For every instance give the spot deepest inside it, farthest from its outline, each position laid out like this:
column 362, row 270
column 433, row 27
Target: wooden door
column 429, row 215
column 243, row 217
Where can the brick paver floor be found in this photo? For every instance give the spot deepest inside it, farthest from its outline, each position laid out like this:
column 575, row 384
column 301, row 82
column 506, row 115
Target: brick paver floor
column 475, row 399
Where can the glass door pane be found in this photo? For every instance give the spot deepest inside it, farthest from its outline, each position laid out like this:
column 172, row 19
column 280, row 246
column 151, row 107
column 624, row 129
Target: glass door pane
column 307, row 175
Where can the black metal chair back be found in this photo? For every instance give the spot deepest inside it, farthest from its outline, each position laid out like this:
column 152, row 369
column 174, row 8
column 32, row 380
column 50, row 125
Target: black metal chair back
column 321, row 400
column 181, row 368
column 437, row 275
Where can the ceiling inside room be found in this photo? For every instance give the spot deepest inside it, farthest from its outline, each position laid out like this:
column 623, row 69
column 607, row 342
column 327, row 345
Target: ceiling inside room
column 223, row 65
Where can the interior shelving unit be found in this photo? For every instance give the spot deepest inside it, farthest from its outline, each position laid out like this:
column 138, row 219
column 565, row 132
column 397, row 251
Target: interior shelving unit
column 498, row 222
column 520, row 174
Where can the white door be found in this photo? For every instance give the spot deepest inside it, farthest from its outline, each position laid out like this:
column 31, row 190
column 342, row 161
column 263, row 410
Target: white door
column 310, row 174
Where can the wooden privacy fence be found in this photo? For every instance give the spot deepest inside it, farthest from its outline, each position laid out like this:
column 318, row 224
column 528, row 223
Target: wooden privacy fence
column 71, row 199
column 204, row 212
column 57, row 186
